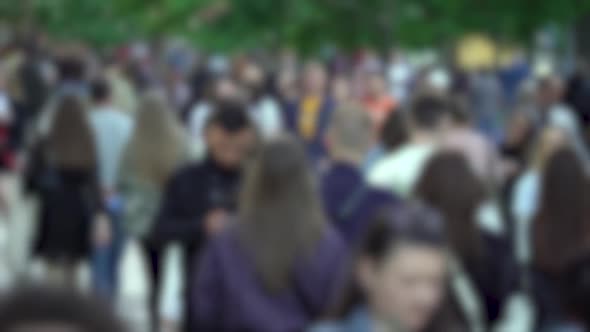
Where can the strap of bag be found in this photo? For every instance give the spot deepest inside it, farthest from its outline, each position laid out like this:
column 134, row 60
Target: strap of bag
column 467, row 296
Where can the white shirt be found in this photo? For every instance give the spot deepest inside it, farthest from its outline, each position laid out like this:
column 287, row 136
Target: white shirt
column 399, row 171
column 112, row 131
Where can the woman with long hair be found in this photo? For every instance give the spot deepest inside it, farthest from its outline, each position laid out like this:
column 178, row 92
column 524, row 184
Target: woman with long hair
column 527, row 188
column 157, row 148
column 70, row 196
column 277, row 268
column 399, row 276
column 450, row 185
column 561, row 228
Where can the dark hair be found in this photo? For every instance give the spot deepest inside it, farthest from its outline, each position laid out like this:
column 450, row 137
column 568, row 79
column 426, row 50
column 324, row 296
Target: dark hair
column 561, row 229
column 36, row 306
column 281, row 217
column 232, row 116
column 427, row 111
column 413, row 223
column 449, row 185
column 575, row 290
column 100, row 90
column 71, row 142
column 395, row 131
column 71, row 68
column 459, row 111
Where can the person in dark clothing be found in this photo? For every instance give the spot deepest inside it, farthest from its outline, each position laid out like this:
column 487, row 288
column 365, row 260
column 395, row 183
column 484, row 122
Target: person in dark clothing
column 349, row 201
column 449, row 185
column 201, row 197
column 50, row 310
column 309, row 116
column 278, row 267
column 574, row 289
column 68, row 186
column 35, row 87
column 561, row 230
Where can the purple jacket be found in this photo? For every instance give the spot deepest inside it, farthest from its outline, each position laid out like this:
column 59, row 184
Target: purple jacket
column 229, row 297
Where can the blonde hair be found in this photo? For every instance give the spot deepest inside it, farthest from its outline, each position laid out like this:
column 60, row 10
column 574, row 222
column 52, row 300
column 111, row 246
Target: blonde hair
column 350, row 132
column 549, row 140
column 158, row 144
column 279, row 197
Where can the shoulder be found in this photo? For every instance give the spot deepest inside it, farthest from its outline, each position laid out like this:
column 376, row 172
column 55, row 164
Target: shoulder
column 194, row 170
column 330, row 250
column 383, row 169
column 327, row 327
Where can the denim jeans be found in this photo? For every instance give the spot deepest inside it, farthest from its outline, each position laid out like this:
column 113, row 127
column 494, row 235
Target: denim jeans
column 105, row 259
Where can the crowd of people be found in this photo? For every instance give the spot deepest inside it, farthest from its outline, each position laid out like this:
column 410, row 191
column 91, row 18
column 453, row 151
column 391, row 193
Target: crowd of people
column 267, row 192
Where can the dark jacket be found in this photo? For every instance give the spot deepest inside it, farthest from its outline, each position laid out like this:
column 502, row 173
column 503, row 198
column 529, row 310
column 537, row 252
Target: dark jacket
column 349, row 201
column 229, row 297
column 192, row 192
column 495, row 277
column 70, row 200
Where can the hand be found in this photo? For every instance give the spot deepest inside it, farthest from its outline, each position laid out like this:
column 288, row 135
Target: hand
column 101, row 231
column 216, row 221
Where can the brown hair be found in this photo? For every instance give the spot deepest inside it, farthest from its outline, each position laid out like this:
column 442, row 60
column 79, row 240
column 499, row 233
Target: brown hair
column 561, row 229
column 157, row 144
column 71, row 141
column 449, row 185
column 280, row 213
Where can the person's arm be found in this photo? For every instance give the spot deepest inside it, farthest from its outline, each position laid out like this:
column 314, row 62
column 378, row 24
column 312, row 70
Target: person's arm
column 178, row 219
column 207, row 292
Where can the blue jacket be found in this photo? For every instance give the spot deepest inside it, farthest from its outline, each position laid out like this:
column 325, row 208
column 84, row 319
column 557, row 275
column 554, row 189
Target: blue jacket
column 349, row 201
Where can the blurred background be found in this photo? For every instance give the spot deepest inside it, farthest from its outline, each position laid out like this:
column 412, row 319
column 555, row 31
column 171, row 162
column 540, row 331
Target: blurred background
column 286, row 166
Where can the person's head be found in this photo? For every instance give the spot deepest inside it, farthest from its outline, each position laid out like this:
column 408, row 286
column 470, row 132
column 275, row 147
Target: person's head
column 223, row 88
column 341, row 89
column 401, row 267
column 314, row 78
column 100, row 91
column 279, row 208
column 561, row 229
column 287, row 85
column 71, row 69
column 253, row 79
column 230, row 135
column 54, row 310
column 459, row 113
column 70, row 141
column 550, row 91
column 395, row 131
column 449, row 185
column 157, row 143
column 376, row 85
column 549, row 140
column 349, row 134
column 575, row 290
column 519, row 130
column 428, row 115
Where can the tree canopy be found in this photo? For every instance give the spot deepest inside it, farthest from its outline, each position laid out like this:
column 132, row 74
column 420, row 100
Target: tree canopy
column 304, row 24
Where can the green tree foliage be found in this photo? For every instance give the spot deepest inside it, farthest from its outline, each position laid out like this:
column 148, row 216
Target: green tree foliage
column 305, row 24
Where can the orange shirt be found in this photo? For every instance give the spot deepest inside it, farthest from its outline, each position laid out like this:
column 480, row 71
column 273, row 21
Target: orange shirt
column 379, row 109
